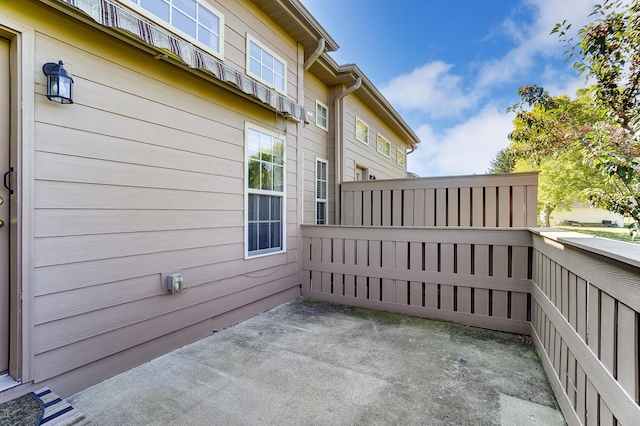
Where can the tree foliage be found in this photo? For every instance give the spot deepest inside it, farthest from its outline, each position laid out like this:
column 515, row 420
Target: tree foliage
column 608, row 136
column 503, row 162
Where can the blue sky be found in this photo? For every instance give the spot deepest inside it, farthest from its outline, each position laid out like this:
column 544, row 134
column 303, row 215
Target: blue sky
column 451, row 68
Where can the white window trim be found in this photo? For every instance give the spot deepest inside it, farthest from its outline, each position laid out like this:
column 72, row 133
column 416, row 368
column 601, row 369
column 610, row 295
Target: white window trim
column 247, row 191
column 251, row 39
column 404, row 157
column 378, row 136
column 175, row 30
column 324, row 200
column 325, row 128
column 368, row 131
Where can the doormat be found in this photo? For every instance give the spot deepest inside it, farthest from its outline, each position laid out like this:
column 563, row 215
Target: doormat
column 26, row 410
column 58, row 412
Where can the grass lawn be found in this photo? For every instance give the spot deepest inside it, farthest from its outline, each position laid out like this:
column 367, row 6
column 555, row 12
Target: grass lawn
column 620, row 234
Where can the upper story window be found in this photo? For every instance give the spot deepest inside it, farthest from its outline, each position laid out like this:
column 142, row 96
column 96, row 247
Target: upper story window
column 384, row 146
column 266, row 65
column 322, row 116
column 194, row 19
column 362, row 131
column 400, row 157
column 265, row 192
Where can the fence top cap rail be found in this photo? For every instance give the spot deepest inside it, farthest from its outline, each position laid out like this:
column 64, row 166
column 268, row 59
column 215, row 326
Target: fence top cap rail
column 628, row 253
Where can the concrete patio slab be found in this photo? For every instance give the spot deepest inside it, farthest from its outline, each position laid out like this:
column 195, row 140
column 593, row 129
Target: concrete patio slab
column 315, row 363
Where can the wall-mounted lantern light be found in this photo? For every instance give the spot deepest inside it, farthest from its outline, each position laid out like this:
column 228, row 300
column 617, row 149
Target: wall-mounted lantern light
column 59, row 84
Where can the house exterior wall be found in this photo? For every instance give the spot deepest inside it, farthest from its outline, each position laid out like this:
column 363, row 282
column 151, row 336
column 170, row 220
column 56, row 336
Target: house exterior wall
column 141, row 177
column 584, row 214
column 367, row 156
column 317, row 143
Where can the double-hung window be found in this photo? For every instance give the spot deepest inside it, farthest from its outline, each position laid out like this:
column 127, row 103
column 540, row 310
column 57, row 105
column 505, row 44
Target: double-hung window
column 265, row 191
column 265, row 65
column 322, row 191
column 193, row 18
column 322, row 116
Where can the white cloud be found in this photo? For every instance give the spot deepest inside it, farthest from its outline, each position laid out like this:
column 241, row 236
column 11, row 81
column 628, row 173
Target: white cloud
column 465, row 149
column 432, row 89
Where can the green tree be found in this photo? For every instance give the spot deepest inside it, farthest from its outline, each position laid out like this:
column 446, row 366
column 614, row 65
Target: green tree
column 544, row 139
column 503, row 162
column 607, row 52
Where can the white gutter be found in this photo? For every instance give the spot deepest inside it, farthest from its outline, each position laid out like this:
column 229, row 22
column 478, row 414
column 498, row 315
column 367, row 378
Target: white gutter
column 315, row 55
column 338, row 145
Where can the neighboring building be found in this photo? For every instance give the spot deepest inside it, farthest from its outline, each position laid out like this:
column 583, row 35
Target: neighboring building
column 196, row 147
column 583, row 213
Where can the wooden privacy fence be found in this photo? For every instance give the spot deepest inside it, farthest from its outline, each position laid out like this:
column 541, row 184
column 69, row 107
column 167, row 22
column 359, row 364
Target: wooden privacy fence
column 479, row 201
column 585, row 322
column 471, row 276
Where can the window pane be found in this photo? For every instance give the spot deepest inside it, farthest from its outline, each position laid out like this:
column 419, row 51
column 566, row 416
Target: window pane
column 185, row 23
column 255, row 68
column 253, row 207
column 276, row 208
column 253, row 237
column 263, row 236
column 276, row 235
column 208, row 38
column 158, row 7
column 267, row 74
column 186, row 6
column 209, row 20
column 278, row 67
column 264, row 207
column 267, row 60
column 278, row 151
column 255, row 52
column 321, row 213
column 254, row 174
column 278, row 82
column 278, row 178
column 267, row 176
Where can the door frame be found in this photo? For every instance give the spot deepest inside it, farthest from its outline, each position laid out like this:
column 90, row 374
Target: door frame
column 22, row 138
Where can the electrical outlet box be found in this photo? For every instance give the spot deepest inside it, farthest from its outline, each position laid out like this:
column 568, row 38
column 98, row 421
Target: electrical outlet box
column 174, row 283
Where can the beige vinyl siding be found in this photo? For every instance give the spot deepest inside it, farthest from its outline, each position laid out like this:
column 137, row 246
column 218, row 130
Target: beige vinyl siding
column 317, row 143
column 242, row 17
column 356, row 152
column 141, row 177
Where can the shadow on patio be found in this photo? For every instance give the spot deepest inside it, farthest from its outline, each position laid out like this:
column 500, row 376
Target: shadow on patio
column 309, row 362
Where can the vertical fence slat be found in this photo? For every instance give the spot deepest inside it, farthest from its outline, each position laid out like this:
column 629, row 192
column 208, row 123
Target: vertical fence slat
column 357, row 208
column 564, row 290
column 481, row 264
column 431, row 264
column 326, row 258
column 347, row 207
column 627, row 353
column 519, row 213
column 386, row 207
column 490, row 211
column 592, row 404
column 519, row 306
column 349, row 260
column 465, row 206
column 376, row 201
column 500, row 306
column 419, row 208
column 388, row 261
column 504, row 206
column 337, row 259
column 446, row 265
column 441, row 207
column 409, row 202
column 607, row 330
column 396, row 216
column 581, row 394
column 464, row 268
column 366, row 208
column 477, row 208
column 431, row 295
column 593, row 319
column 581, row 310
column 532, row 206
column 430, row 207
column 606, row 417
column 452, row 207
column 398, row 289
column 415, row 261
column 572, row 295
column 375, row 260
column 362, row 256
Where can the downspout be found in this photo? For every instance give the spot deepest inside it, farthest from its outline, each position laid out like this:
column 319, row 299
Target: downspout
column 338, row 147
column 315, row 55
